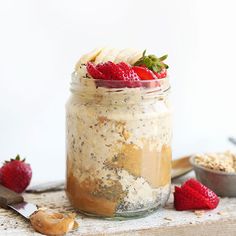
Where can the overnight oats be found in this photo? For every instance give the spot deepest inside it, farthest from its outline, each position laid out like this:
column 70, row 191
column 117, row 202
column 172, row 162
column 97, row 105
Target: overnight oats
column 118, row 134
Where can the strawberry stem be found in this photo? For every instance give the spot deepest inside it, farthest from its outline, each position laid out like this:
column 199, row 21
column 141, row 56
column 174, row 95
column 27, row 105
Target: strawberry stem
column 152, row 62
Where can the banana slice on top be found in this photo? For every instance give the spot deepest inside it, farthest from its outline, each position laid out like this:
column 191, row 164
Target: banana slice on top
column 91, row 56
column 107, row 54
column 124, row 55
column 135, row 57
column 101, row 55
column 80, row 67
column 111, row 55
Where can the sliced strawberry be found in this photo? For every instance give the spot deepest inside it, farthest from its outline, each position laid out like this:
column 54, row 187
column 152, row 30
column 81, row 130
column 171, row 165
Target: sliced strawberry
column 181, row 202
column 110, row 70
column 199, row 201
column 94, row 72
column 131, row 78
column 210, row 197
column 144, row 73
column 128, row 71
column 148, row 76
column 117, row 75
column 196, row 196
column 162, row 74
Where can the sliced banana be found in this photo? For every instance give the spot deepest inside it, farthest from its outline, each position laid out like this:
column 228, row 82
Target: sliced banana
column 81, row 70
column 134, row 57
column 91, row 56
column 123, row 55
column 103, row 54
column 111, row 55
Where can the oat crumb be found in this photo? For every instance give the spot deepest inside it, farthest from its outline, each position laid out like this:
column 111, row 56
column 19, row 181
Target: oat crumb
column 199, row 213
column 221, row 213
column 168, row 218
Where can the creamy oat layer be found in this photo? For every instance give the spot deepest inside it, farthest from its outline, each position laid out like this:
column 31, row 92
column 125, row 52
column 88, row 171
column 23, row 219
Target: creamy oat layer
column 225, row 161
column 118, row 148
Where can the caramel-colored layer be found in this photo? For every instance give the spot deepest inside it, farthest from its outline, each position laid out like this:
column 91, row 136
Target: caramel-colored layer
column 82, row 197
column 152, row 165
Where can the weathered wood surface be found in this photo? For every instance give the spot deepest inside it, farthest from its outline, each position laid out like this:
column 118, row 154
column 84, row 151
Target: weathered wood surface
column 167, row 221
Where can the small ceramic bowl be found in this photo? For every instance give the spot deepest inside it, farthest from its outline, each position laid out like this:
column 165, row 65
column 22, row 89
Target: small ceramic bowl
column 223, row 184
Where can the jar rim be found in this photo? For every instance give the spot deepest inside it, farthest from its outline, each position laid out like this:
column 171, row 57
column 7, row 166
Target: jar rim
column 160, row 85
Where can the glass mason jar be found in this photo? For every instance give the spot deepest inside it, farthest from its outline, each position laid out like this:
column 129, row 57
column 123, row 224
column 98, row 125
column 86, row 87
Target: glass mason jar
column 118, row 143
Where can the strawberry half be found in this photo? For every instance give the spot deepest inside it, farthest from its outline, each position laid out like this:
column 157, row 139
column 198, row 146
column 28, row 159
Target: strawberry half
column 16, row 174
column 194, row 195
column 182, row 202
column 144, row 73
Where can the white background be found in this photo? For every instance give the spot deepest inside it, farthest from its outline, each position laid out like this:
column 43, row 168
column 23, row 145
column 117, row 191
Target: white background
column 40, row 41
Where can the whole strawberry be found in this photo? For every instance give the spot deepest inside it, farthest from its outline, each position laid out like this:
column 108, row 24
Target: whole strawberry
column 16, row 174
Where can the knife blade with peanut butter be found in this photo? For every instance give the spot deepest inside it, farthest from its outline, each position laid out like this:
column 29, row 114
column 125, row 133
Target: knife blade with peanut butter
column 43, row 221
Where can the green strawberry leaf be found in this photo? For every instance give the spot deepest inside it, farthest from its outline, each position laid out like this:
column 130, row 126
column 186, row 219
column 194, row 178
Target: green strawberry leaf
column 144, row 52
column 152, row 62
column 163, row 57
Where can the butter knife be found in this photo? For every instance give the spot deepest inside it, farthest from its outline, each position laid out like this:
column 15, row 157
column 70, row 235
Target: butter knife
column 10, row 199
column 232, row 140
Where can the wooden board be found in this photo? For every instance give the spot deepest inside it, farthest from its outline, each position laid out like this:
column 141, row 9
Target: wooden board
column 167, row 221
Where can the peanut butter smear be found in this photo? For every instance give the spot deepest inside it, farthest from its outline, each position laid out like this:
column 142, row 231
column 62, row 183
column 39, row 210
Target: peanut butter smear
column 85, row 197
column 92, row 196
column 53, row 223
column 152, row 165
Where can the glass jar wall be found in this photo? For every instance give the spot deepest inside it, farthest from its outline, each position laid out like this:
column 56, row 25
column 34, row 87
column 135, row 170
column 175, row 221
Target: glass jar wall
column 118, row 144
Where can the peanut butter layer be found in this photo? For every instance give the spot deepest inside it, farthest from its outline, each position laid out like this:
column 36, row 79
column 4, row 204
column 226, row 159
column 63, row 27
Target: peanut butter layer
column 152, row 165
column 87, row 196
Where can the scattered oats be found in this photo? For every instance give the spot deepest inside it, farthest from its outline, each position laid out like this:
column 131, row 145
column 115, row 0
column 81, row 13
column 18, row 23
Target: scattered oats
column 199, row 213
column 221, row 213
column 42, row 208
column 168, row 206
